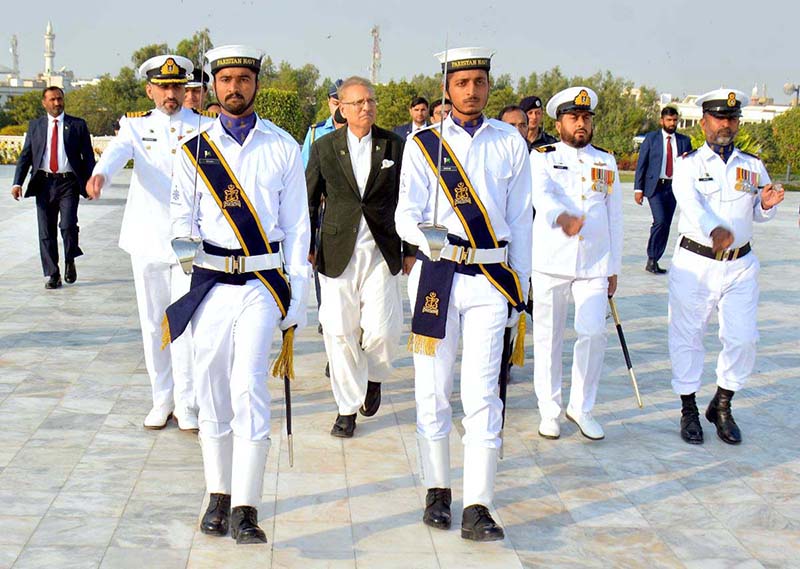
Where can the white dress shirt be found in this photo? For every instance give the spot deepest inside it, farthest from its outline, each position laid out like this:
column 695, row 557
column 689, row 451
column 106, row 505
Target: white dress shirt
column 360, row 157
column 63, row 163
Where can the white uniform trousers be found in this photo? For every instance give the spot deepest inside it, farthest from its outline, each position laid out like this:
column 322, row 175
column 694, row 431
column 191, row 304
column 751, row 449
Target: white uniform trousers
column 698, row 286
column 157, row 285
column 233, row 329
column 362, row 318
column 550, row 302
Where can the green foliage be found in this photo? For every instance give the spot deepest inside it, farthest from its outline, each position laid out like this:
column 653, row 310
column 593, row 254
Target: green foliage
column 24, row 108
column 302, row 81
column 393, row 100
column 103, row 104
column 786, row 129
column 146, row 52
column 282, row 108
column 192, row 48
column 499, row 98
column 14, row 130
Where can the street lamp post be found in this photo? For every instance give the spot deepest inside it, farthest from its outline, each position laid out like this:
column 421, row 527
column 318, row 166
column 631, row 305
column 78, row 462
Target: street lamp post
column 790, row 88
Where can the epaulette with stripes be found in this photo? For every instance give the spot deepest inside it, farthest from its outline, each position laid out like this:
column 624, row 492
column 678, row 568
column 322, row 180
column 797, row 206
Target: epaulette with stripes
column 138, row 114
column 209, row 114
column 603, row 150
column 545, row 148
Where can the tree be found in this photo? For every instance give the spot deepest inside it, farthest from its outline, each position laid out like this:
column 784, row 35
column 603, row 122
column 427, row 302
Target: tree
column 498, row 99
column 194, row 47
column 393, row 99
column 25, row 107
column 104, row 103
column 301, row 80
column 144, row 53
column 282, row 108
column 786, row 128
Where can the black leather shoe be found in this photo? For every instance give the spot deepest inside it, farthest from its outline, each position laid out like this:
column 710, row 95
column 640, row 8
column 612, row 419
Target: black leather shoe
column 244, row 526
column 477, row 525
column 691, row 430
column 437, row 508
column 319, row 329
column 719, row 413
column 70, row 274
column 652, row 267
column 372, row 401
column 328, row 369
column 53, row 282
column 215, row 521
column 344, row 426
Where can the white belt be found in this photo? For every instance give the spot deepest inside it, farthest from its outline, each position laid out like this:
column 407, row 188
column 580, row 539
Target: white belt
column 237, row 264
column 469, row 256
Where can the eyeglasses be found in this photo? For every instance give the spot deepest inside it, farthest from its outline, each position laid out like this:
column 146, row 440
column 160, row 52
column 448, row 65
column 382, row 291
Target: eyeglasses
column 361, row 102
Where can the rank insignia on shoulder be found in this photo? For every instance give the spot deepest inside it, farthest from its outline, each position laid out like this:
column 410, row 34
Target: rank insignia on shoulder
column 546, row 148
column 209, row 114
column 137, row 114
column 603, row 149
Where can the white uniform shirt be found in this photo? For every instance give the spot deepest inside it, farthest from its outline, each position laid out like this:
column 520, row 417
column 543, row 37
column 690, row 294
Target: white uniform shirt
column 151, row 141
column 705, row 189
column 63, row 163
column 562, row 183
column 663, row 171
column 270, row 170
column 495, row 162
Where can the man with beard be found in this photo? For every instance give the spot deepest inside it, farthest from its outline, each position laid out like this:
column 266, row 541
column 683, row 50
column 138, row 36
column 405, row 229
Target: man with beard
column 657, row 156
column 475, row 290
column 721, row 191
column 151, row 139
column 532, row 106
column 578, row 252
column 250, row 277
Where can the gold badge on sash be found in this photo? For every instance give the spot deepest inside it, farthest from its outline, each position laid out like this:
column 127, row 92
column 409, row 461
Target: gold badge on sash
column 431, row 304
column 746, row 181
column 461, row 194
column 232, row 197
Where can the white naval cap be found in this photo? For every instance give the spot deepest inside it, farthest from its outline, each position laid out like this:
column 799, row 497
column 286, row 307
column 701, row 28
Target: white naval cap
column 464, row 58
column 234, row 56
column 572, row 99
column 199, row 78
column 166, row 69
column 722, row 102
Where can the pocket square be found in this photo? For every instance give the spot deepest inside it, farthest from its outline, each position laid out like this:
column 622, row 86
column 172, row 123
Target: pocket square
column 387, row 164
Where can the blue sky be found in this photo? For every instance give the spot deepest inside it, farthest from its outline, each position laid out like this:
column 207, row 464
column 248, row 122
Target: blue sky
column 683, row 47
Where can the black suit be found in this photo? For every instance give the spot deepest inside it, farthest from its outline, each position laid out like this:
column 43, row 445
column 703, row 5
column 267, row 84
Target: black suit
column 329, row 174
column 56, row 194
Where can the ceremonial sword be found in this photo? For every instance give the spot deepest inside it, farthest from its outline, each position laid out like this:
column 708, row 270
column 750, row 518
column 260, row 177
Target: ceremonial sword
column 612, row 303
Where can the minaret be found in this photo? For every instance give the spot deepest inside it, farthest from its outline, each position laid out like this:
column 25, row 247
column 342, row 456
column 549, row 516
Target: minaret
column 49, row 49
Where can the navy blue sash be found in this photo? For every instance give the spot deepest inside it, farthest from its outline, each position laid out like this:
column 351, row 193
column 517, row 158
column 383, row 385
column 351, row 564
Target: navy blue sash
column 240, row 213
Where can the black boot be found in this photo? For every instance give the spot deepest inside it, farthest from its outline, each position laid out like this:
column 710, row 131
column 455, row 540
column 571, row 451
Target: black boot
column 218, row 513
column 344, row 426
column 691, row 430
column 244, row 525
column 719, row 413
column 477, row 524
column 372, row 401
column 437, row 508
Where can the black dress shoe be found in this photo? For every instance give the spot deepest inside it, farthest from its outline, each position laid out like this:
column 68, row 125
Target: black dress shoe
column 437, row 508
column 477, row 525
column 372, row 401
column 344, row 426
column 652, row 267
column 70, row 274
column 328, row 369
column 53, row 282
column 319, row 329
column 215, row 521
column 244, row 526
column 719, row 413
column 691, row 430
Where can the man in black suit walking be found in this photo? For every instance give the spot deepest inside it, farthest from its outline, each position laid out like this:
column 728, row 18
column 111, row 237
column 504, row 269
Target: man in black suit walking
column 357, row 170
column 58, row 153
column 657, row 157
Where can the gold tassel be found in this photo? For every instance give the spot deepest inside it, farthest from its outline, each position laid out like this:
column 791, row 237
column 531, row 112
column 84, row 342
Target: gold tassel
column 166, row 338
column 518, row 356
column 424, row 345
column 283, row 366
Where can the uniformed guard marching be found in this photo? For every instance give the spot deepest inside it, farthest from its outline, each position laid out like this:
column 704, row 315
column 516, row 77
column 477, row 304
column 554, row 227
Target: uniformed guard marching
column 578, row 250
column 721, row 191
column 249, row 208
column 151, row 139
column 475, row 291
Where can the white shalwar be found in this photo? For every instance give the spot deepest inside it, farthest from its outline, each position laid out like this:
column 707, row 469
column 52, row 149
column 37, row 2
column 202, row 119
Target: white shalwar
column 579, row 265
column 705, row 190
column 151, row 140
column 234, row 325
column 495, row 161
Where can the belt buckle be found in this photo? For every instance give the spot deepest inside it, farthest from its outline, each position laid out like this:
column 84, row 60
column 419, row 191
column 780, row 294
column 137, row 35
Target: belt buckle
column 458, row 254
column 234, row 264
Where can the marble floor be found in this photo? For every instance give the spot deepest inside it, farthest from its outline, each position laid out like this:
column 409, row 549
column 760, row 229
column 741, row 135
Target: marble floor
column 82, row 485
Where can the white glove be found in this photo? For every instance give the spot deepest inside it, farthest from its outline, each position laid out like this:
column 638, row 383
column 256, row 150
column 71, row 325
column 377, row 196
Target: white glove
column 296, row 315
column 513, row 319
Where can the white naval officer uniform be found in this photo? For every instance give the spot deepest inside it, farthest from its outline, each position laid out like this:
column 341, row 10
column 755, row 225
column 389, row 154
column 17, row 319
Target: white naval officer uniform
column 705, row 189
column 495, row 161
column 580, row 265
column 233, row 326
column 151, row 140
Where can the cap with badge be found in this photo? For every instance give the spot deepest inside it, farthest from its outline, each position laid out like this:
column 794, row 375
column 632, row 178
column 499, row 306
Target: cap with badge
column 531, row 102
column 570, row 100
column 234, row 56
column 166, row 70
column 333, row 90
column 199, row 79
column 722, row 103
column 465, row 58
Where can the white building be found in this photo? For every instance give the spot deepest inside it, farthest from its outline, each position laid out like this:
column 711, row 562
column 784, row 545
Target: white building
column 761, row 109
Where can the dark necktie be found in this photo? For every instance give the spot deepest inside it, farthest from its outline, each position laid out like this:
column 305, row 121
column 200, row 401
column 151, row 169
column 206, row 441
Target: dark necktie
column 668, row 168
column 54, row 148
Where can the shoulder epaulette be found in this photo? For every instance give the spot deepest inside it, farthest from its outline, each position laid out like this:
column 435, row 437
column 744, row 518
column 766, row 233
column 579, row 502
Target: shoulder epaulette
column 603, row 150
column 209, row 114
column 138, row 114
column 545, row 148
column 750, row 154
column 685, row 154
column 318, row 125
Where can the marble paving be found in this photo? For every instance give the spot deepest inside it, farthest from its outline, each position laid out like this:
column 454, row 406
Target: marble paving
column 82, row 485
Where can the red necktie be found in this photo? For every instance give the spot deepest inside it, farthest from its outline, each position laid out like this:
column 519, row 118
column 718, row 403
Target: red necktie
column 54, row 148
column 668, row 168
